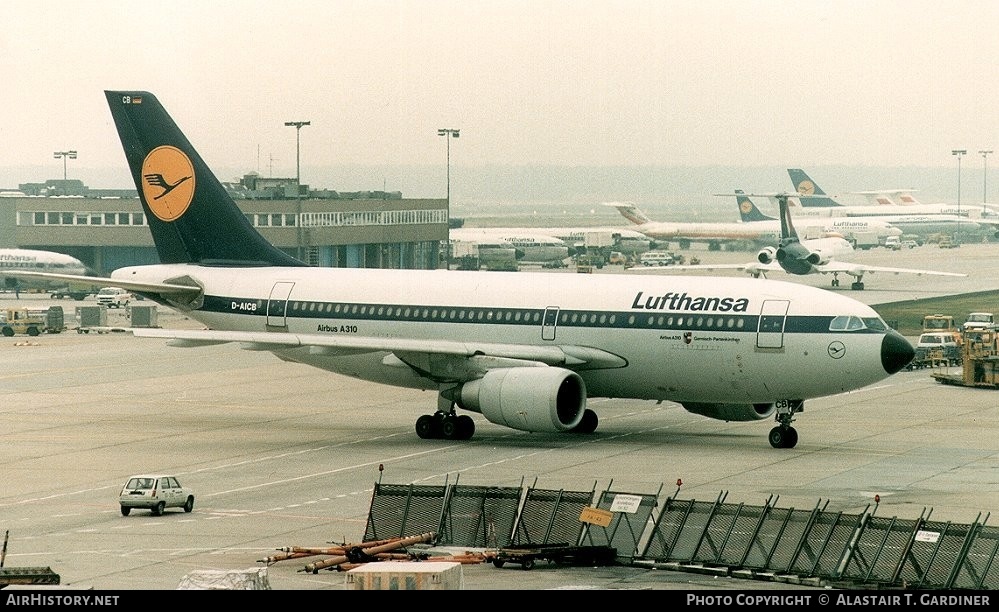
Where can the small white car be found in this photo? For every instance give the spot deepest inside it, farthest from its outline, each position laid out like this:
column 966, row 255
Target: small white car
column 113, row 297
column 154, row 492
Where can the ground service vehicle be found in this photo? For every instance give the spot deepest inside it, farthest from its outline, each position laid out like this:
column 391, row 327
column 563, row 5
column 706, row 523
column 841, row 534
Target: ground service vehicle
column 656, row 258
column 942, row 323
column 67, row 293
column 32, row 321
column 978, row 321
column 946, row 242
column 113, row 297
column 154, row 492
column 936, row 349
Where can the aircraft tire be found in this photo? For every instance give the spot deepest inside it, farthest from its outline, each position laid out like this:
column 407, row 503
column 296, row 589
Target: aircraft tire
column 450, row 428
column 425, row 427
column 790, row 437
column 125, row 510
column 776, row 437
column 466, row 427
column 783, row 438
column 588, row 424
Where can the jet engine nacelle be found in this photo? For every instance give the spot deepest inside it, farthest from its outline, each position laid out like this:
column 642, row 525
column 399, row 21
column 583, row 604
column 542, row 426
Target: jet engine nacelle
column 766, row 255
column 731, row 412
column 817, row 257
column 529, row 399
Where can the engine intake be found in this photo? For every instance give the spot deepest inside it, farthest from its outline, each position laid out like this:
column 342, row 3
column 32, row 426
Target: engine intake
column 528, row 399
column 766, row 255
column 731, row 412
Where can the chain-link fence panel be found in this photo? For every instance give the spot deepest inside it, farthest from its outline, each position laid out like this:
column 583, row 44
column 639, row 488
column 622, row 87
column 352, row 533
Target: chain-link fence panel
column 480, row 517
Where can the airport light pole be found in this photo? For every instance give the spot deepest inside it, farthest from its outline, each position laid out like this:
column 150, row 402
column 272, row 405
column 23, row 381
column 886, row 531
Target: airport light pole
column 298, row 183
column 64, row 155
column 985, row 175
column 448, row 133
column 959, row 153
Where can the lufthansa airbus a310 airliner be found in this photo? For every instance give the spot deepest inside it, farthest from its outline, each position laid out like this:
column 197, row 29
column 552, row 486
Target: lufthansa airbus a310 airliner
column 524, row 350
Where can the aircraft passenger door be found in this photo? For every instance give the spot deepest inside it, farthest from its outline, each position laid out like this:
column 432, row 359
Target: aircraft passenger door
column 277, row 305
column 770, row 333
column 548, row 323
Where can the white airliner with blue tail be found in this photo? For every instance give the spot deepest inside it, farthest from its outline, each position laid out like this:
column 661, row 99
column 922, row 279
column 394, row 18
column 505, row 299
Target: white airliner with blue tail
column 524, row 350
column 794, row 255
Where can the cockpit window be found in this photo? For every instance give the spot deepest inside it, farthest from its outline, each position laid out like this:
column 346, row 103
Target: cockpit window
column 852, row 323
column 875, row 323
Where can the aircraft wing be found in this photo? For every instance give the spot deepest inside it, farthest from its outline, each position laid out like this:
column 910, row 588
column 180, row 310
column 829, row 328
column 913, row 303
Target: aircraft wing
column 472, row 355
column 856, row 269
column 751, row 267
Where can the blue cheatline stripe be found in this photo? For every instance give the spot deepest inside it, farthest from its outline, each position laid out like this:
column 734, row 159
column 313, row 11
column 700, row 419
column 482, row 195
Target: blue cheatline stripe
column 528, row 317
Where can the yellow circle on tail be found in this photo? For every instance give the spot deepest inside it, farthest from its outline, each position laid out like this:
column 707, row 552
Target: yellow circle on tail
column 167, row 182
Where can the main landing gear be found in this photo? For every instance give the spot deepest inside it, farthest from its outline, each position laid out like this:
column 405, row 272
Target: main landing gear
column 857, row 285
column 785, row 436
column 588, row 424
column 445, row 425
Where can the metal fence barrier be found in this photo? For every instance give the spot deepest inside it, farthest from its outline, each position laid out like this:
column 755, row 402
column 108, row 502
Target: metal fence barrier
column 835, row 547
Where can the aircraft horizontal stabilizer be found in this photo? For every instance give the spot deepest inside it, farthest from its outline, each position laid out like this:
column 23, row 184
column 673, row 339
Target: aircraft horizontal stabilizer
column 165, row 289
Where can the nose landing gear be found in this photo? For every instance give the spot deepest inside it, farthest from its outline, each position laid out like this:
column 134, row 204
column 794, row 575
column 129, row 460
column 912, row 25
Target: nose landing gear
column 785, row 436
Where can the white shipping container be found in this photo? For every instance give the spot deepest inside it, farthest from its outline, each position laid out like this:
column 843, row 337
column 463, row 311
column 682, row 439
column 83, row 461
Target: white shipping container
column 406, row 576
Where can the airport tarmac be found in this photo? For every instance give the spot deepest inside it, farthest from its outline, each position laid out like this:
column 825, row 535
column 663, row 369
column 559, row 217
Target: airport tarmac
column 280, row 454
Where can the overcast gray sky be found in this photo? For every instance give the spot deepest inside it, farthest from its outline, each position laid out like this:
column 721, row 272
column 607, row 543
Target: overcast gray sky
column 661, row 82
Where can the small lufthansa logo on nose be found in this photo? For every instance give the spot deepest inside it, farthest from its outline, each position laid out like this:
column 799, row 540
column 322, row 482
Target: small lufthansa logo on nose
column 836, row 349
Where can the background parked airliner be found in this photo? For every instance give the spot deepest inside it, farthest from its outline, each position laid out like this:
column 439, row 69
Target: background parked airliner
column 31, row 260
column 921, row 219
column 810, row 256
column 685, row 233
column 525, row 349
column 532, row 245
column 850, row 228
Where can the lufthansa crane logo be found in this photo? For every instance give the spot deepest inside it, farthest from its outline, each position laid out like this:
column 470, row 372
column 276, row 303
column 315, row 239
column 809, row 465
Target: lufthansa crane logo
column 167, row 182
column 745, row 206
column 806, row 188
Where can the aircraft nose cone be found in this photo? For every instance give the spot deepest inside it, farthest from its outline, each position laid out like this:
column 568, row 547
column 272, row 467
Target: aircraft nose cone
column 896, row 352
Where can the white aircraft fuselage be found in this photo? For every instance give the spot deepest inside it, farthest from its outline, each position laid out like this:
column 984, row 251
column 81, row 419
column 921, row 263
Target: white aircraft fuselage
column 664, row 338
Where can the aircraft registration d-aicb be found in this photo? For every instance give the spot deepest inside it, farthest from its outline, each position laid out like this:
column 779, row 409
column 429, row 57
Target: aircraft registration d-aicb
column 524, row 350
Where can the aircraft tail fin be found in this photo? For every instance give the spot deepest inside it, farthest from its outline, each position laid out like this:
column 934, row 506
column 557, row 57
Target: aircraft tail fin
column 748, row 210
column 191, row 216
column 787, row 231
column 630, row 212
column 805, row 186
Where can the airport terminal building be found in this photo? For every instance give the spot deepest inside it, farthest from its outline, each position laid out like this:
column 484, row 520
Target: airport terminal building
column 107, row 230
